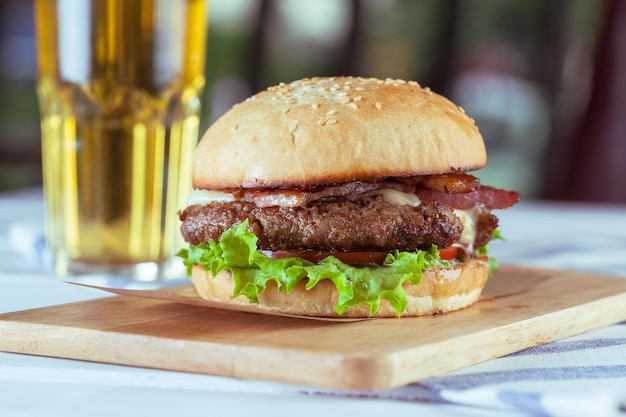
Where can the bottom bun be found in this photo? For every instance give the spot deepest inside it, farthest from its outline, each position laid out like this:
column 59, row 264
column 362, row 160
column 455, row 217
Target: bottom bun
column 440, row 290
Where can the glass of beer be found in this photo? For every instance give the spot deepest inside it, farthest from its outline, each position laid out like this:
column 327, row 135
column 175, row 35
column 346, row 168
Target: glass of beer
column 119, row 87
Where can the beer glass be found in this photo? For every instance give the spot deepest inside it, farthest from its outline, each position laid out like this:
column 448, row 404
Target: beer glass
column 119, row 84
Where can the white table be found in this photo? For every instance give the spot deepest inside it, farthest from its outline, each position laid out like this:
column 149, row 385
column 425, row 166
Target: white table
column 570, row 377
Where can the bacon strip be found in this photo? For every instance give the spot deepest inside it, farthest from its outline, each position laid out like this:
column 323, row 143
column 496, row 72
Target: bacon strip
column 296, row 198
column 489, row 197
column 451, row 183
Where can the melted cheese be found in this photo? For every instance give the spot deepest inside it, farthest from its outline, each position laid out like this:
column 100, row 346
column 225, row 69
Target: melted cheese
column 399, row 198
column 208, row 196
column 468, row 219
column 280, row 200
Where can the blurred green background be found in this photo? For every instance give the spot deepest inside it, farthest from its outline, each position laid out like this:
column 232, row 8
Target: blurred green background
column 522, row 68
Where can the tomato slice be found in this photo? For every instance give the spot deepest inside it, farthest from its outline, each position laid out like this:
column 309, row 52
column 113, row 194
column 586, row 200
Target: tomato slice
column 448, row 254
column 352, row 258
column 362, row 257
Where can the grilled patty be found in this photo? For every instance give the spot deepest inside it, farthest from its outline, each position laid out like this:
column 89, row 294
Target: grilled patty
column 368, row 224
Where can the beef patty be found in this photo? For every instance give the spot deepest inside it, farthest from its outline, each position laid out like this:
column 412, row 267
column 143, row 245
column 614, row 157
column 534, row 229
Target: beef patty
column 368, row 224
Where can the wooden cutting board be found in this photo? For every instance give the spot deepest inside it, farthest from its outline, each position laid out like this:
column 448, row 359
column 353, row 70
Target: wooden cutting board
column 523, row 308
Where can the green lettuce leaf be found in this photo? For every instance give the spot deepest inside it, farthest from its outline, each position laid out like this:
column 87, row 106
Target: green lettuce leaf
column 483, row 250
column 251, row 270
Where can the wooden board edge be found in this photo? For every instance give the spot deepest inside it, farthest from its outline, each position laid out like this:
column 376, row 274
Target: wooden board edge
column 310, row 369
column 328, row 370
column 605, row 312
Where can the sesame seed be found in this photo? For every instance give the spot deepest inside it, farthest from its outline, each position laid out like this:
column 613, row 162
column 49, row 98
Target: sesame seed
column 315, row 106
column 345, row 100
column 357, row 98
column 331, row 112
column 330, row 122
column 352, row 105
column 461, row 109
column 378, row 105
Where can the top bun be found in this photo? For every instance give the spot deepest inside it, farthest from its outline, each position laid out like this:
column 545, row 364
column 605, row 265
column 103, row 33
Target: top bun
column 334, row 130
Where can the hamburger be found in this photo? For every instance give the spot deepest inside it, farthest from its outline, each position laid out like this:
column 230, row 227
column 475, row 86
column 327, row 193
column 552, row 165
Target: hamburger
column 342, row 196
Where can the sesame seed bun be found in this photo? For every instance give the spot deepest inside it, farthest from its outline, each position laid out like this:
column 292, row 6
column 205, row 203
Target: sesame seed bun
column 339, row 130
column 441, row 290
column 332, row 130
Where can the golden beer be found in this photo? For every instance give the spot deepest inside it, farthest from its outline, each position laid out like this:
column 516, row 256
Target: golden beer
column 119, row 85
